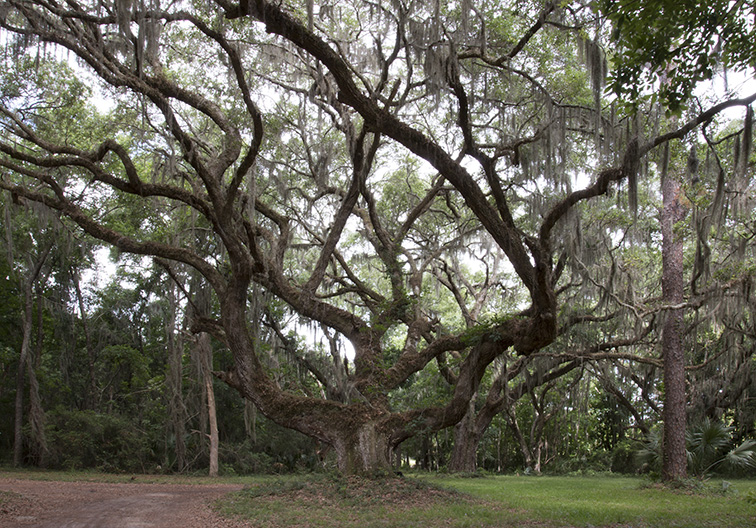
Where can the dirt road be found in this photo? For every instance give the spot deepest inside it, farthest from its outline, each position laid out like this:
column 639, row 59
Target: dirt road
column 43, row 504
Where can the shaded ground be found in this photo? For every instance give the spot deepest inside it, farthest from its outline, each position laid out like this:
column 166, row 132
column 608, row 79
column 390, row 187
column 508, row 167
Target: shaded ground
column 44, row 504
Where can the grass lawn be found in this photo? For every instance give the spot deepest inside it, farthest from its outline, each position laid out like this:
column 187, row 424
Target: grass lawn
column 507, row 501
column 612, row 502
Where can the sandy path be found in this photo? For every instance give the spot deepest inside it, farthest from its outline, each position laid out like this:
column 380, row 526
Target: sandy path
column 46, row 504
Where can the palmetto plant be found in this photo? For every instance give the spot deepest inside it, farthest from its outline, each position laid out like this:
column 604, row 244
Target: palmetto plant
column 708, row 444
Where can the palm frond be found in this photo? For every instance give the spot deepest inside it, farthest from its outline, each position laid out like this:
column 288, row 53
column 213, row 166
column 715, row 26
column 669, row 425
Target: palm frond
column 743, row 456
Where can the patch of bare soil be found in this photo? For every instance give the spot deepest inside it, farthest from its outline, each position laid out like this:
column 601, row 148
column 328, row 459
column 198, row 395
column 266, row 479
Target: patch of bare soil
column 44, row 504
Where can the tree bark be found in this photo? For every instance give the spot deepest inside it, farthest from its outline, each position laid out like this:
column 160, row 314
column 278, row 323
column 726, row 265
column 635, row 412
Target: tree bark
column 674, row 456
column 365, row 451
column 38, row 440
column 466, row 441
column 18, row 436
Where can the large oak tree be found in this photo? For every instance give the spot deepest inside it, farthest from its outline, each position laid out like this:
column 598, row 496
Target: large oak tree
column 345, row 157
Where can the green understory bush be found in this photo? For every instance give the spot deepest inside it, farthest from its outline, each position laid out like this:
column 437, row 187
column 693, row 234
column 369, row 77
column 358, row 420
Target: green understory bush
column 89, row 440
column 242, row 459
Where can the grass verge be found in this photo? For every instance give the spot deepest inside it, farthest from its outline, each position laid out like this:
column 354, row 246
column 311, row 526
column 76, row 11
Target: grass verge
column 116, row 478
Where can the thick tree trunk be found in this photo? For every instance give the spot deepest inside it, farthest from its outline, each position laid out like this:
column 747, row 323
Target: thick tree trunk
column 464, row 456
column 674, row 457
column 365, row 451
column 466, row 440
column 363, row 431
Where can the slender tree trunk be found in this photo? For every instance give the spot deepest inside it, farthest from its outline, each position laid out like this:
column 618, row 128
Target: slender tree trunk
column 38, row 439
column 38, row 446
column 23, row 359
column 205, row 352
column 174, row 385
column 91, row 396
column 517, row 432
column 674, row 457
column 18, row 438
column 537, row 457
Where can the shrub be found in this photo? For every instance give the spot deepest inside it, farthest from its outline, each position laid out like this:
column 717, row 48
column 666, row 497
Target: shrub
column 89, row 440
column 241, row 459
column 625, row 456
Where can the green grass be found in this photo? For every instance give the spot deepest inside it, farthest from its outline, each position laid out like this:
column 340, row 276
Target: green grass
column 614, row 501
column 510, row 501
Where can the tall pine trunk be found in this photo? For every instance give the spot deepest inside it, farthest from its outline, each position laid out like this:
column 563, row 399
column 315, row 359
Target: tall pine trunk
column 674, row 456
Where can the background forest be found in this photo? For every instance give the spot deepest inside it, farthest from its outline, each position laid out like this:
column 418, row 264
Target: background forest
column 371, row 238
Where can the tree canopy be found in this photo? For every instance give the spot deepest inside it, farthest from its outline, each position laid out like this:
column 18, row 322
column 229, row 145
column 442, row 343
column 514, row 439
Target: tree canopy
column 668, row 48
